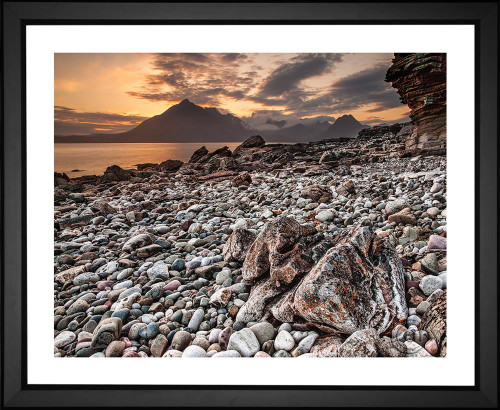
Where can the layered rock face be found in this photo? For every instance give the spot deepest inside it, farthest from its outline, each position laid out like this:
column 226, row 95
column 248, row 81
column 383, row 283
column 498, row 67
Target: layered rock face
column 420, row 79
column 341, row 285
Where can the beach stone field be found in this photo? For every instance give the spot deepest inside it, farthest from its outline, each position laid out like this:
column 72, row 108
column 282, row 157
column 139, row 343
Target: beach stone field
column 334, row 248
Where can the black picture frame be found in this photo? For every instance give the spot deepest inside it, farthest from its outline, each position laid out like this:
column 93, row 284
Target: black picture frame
column 16, row 16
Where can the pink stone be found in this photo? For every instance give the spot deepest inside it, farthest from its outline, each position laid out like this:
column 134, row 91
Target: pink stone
column 127, row 341
column 261, row 354
column 436, row 242
column 130, row 354
column 104, row 284
column 204, row 252
column 432, row 347
column 172, row 285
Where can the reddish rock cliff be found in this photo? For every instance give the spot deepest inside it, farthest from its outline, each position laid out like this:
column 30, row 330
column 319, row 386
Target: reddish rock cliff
column 420, row 79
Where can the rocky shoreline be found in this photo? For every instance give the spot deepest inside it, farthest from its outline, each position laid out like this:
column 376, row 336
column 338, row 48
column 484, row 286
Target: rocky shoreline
column 335, row 248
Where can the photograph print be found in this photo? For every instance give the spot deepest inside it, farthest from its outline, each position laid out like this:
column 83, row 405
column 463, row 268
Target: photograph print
column 250, row 205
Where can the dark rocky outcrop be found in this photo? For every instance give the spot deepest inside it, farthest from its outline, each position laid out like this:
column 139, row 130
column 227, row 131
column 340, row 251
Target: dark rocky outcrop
column 170, row 165
column 420, row 79
column 219, row 153
column 255, row 141
column 198, row 154
column 115, row 173
column 148, row 165
column 60, row 179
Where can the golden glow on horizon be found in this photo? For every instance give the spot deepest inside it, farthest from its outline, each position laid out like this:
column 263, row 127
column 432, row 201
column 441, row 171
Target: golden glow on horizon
column 101, row 83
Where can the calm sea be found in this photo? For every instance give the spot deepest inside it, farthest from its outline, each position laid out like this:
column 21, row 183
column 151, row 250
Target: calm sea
column 93, row 159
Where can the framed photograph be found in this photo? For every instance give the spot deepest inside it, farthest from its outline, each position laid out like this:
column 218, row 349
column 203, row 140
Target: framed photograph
column 249, row 204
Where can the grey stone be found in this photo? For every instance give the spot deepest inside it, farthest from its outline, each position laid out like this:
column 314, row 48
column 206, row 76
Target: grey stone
column 264, row 331
column 245, row 342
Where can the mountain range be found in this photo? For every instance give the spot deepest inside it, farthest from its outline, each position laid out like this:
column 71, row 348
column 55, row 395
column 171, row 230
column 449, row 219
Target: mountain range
column 188, row 122
column 295, row 133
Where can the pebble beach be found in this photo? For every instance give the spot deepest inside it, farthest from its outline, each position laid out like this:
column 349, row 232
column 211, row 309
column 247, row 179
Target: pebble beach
column 335, row 248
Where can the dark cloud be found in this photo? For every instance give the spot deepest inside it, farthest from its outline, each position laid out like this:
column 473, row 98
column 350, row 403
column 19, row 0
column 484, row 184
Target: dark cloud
column 276, row 123
column 67, row 121
column 288, row 76
column 194, row 57
column 367, row 86
column 233, row 57
column 353, row 92
column 176, row 79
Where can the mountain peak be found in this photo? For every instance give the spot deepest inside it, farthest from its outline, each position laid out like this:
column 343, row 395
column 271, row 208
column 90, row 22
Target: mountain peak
column 345, row 126
column 184, row 106
column 348, row 117
column 188, row 122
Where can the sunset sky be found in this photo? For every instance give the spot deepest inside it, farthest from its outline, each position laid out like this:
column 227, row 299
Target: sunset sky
column 114, row 92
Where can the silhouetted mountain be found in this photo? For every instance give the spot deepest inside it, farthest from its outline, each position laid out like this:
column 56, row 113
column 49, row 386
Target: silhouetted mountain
column 183, row 122
column 344, row 127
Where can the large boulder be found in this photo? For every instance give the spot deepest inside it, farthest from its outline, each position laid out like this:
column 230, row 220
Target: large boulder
column 198, row 155
column 358, row 284
column 352, row 283
column 114, row 174
column 255, row 141
column 170, row 165
column 223, row 152
column 329, row 157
